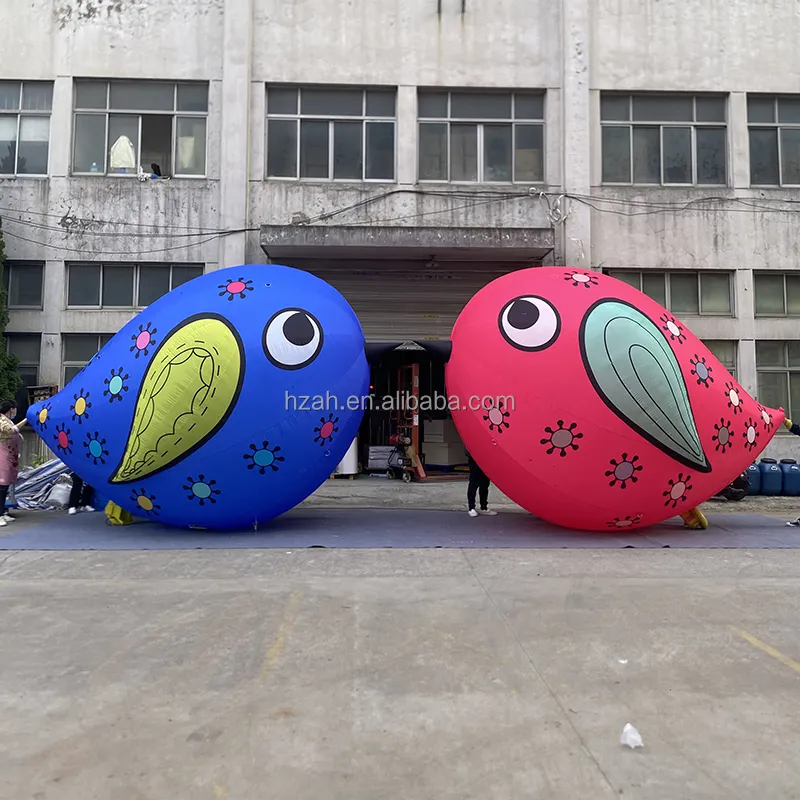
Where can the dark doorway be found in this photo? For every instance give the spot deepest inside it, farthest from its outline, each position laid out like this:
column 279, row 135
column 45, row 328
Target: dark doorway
column 386, row 390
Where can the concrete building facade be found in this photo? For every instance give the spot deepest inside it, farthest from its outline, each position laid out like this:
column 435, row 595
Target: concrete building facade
column 436, row 141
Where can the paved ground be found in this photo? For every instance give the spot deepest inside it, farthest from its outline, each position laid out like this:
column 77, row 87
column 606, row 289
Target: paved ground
column 378, row 492
column 423, row 675
column 365, row 674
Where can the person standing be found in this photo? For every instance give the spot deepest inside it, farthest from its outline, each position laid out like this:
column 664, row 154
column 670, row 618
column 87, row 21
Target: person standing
column 10, row 440
column 80, row 496
column 478, row 485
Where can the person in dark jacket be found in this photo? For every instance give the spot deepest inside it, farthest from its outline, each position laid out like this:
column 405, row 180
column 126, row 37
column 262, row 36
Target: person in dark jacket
column 478, row 485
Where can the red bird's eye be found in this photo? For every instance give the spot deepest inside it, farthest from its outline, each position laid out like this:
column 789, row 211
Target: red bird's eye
column 529, row 323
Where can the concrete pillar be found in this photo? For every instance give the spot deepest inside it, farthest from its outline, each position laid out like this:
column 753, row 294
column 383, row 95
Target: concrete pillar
column 739, row 156
column 61, row 127
column 234, row 141
column 747, row 371
column 576, row 128
column 53, row 302
column 54, row 278
column 50, row 360
column 745, row 314
column 406, row 134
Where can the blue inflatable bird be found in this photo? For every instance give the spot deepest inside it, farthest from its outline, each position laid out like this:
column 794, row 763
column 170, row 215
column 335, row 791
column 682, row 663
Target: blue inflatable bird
column 222, row 405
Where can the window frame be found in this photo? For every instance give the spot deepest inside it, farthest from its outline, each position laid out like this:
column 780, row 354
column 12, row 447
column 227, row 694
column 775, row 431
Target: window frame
column 512, row 121
column 785, row 370
column 102, row 339
column 8, row 278
column 108, row 112
column 693, row 125
column 137, row 266
column 775, row 125
column 698, row 274
column 773, row 273
column 735, row 342
column 299, row 117
column 10, row 337
column 21, row 112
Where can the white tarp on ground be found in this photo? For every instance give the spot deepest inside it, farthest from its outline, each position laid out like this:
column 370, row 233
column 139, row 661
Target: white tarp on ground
column 34, row 485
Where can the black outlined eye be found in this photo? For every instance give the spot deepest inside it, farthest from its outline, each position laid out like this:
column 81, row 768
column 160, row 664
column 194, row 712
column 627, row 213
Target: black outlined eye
column 529, row 323
column 292, row 338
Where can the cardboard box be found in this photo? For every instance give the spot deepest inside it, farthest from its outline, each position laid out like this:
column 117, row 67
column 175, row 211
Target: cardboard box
column 441, row 431
column 444, row 454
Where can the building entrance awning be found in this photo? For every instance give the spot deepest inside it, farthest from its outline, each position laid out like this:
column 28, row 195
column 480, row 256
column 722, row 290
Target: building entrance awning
column 368, row 242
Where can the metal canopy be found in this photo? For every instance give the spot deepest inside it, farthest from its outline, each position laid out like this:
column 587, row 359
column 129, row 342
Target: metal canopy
column 409, row 243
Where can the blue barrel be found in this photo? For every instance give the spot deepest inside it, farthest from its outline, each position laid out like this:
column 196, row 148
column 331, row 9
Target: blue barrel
column 791, row 477
column 754, row 476
column 771, row 477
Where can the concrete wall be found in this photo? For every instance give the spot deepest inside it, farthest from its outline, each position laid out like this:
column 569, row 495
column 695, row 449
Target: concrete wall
column 695, row 45
column 573, row 48
column 112, row 38
column 408, row 42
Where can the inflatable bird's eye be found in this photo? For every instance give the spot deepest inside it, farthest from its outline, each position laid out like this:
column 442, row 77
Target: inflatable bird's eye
column 529, row 323
column 292, row 338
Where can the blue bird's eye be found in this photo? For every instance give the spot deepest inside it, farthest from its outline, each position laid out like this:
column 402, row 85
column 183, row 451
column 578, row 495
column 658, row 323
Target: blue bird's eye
column 292, row 338
column 529, row 323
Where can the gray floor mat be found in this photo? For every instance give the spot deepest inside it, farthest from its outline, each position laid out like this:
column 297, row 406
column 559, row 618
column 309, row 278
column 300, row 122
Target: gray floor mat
column 376, row 528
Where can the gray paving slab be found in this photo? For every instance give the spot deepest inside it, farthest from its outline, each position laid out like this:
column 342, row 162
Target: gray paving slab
column 383, row 674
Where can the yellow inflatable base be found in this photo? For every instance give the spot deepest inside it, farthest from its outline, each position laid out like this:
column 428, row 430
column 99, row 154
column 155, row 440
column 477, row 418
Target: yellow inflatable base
column 118, row 516
column 695, row 519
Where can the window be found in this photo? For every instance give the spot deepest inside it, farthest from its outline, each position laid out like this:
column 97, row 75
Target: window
column 664, row 140
column 25, row 127
column 331, row 133
column 481, row 137
column 121, row 126
column 26, row 347
column 78, row 349
column 725, row 352
column 778, row 366
column 683, row 292
column 774, row 129
column 23, row 283
column 776, row 294
column 124, row 285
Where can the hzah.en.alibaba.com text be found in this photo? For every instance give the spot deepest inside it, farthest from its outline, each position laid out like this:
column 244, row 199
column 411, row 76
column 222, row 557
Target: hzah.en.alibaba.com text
column 397, row 402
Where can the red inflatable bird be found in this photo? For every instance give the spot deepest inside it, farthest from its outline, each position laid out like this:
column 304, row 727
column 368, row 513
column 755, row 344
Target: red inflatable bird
column 593, row 407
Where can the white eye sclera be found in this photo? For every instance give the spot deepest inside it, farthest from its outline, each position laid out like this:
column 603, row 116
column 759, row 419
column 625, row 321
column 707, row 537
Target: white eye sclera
column 529, row 323
column 292, row 338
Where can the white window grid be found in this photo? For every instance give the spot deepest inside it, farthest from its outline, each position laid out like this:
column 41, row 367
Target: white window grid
column 511, row 119
column 102, row 340
column 10, row 268
column 693, row 126
column 779, row 126
column 364, row 118
column 786, row 370
column 132, row 112
column 668, row 291
column 136, row 273
column 20, row 113
column 25, row 364
column 714, row 345
column 783, row 276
